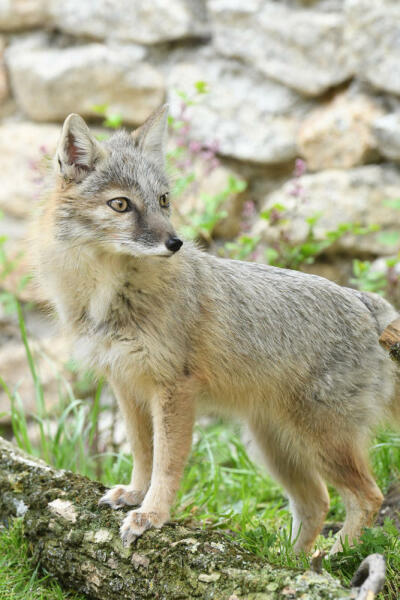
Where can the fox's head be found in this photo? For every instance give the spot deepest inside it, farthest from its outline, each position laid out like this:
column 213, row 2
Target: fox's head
column 114, row 194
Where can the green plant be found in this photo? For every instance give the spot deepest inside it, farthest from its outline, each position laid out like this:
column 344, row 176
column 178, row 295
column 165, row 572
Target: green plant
column 291, row 255
column 367, row 279
column 383, row 280
column 242, row 248
column 202, row 224
column 7, row 266
column 286, row 252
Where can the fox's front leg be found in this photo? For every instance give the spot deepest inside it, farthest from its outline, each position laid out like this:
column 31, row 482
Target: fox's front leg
column 140, row 435
column 173, row 417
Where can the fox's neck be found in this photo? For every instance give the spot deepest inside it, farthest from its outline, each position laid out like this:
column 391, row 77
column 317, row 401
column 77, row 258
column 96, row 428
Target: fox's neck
column 84, row 282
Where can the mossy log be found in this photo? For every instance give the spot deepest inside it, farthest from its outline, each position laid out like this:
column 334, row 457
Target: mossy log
column 78, row 542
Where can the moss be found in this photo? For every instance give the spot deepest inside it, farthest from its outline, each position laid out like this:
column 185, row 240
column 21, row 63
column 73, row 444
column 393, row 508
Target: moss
column 176, row 562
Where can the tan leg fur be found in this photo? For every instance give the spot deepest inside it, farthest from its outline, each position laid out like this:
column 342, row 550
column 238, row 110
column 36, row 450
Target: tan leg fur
column 139, row 430
column 173, row 417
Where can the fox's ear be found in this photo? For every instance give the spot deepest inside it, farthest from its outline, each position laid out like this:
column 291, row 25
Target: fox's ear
column 151, row 137
column 77, row 151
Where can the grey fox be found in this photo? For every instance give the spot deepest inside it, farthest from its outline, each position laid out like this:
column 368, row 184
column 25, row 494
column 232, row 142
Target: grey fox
column 175, row 329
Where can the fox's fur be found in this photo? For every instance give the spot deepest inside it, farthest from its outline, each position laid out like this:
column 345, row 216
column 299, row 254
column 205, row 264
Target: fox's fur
column 294, row 357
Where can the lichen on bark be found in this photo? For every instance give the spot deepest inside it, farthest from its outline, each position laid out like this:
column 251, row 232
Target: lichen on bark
column 78, row 542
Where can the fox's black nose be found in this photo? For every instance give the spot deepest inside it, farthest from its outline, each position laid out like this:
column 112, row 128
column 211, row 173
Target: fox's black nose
column 173, row 243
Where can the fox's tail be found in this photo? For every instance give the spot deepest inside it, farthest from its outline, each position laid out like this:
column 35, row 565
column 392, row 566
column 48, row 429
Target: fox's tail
column 384, row 314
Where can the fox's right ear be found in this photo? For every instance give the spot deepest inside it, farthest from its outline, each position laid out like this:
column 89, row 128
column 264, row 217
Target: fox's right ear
column 151, row 137
column 77, row 151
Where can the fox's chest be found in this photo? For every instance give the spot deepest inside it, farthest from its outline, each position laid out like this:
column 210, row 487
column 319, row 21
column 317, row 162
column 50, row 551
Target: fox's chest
column 129, row 337
column 108, row 356
column 112, row 333
column 120, row 327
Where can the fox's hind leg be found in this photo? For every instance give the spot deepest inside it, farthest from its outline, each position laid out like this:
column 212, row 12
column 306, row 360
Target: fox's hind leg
column 346, row 467
column 139, row 431
column 293, row 469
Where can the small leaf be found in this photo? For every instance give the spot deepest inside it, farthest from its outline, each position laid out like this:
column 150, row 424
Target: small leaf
column 313, row 219
column 201, row 87
column 100, row 109
column 271, row 255
column 113, row 121
column 389, row 238
column 392, row 262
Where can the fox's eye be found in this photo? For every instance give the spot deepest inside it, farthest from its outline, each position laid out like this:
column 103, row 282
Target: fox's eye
column 119, row 204
column 164, row 201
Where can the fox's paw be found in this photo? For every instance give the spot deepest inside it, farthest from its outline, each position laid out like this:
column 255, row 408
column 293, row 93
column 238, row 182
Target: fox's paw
column 137, row 522
column 122, row 495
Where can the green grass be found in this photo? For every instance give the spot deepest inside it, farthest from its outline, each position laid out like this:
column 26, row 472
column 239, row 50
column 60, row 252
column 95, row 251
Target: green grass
column 20, row 578
column 221, row 488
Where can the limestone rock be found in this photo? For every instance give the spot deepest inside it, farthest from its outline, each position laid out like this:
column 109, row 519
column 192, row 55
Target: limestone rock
column 321, row 5
column 50, row 82
column 22, row 14
column 13, row 229
column 302, row 48
column 131, row 20
column 250, row 117
column 338, row 270
column 387, row 132
column 338, row 135
column 23, row 147
column 337, row 196
column 3, row 75
column 372, row 34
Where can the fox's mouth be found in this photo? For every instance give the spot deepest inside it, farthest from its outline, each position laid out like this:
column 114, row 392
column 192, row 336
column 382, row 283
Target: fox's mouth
column 163, row 255
column 142, row 251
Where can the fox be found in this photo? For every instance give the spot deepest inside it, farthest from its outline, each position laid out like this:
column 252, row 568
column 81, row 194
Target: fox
column 178, row 331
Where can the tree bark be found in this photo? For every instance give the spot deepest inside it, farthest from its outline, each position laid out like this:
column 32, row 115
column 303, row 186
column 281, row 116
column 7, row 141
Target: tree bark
column 78, row 542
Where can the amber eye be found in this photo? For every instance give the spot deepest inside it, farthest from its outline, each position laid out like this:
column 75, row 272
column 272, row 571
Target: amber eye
column 119, row 204
column 164, row 201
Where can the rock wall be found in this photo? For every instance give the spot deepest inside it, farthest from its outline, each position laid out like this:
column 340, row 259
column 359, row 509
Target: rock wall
column 316, row 79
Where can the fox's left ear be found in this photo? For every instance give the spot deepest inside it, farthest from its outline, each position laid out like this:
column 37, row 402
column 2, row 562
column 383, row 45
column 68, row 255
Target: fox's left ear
column 151, row 137
column 78, row 151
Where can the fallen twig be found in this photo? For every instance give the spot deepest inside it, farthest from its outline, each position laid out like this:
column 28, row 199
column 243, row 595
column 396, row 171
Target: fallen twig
column 370, row 575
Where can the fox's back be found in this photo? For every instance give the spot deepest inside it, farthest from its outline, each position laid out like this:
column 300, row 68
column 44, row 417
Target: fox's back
column 289, row 333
